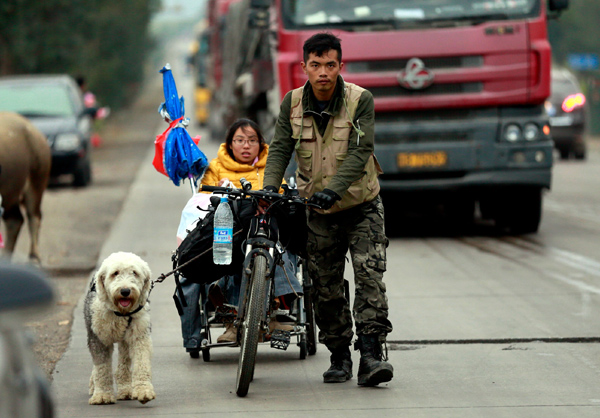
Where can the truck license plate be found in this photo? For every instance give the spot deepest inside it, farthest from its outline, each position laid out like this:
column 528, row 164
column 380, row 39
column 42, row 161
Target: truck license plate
column 422, row 159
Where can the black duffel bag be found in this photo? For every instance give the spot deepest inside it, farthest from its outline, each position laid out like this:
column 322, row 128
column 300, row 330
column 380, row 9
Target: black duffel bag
column 292, row 229
column 201, row 268
column 287, row 225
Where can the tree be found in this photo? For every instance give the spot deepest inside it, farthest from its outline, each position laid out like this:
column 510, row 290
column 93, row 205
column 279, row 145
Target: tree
column 104, row 40
column 576, row 30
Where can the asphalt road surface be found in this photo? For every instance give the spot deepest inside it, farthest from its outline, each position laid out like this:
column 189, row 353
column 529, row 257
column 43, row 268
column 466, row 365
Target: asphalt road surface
column 484, row 325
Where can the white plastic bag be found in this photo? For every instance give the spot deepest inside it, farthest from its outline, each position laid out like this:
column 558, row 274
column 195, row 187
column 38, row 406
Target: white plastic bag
column 190, row 215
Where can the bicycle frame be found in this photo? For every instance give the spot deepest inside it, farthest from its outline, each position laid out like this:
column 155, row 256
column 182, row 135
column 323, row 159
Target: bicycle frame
column 258, row 244
column 262, row 254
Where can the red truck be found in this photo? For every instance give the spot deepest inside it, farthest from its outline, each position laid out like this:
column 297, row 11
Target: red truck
column 459, row 89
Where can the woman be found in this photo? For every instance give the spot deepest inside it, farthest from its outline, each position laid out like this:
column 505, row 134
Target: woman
column 242, row 155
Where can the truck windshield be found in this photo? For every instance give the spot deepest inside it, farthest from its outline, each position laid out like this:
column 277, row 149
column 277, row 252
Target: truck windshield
column 352, row 14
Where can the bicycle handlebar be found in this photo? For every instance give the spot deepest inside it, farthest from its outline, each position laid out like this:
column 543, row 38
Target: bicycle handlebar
column 261, row 194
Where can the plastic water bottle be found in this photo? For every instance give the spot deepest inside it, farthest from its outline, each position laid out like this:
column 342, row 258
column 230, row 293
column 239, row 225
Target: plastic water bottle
column 223, row 233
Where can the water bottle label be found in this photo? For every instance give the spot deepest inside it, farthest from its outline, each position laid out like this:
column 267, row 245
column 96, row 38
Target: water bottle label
column 223, row 236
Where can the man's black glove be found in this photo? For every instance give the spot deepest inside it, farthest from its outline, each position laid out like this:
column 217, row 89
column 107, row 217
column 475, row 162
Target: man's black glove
column 324, row 199
column 271, row 189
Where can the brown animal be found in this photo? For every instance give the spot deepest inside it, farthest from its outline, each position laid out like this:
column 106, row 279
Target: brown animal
column 25, row 161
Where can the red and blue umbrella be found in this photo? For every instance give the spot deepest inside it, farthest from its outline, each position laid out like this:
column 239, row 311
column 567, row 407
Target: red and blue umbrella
column 176, row 154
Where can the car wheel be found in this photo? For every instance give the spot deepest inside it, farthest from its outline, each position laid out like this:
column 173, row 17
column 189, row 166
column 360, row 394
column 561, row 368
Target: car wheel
column 82, row 176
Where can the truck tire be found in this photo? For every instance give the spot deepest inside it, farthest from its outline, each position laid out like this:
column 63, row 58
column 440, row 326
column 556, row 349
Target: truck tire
column 564, row 153
column 521, row 211
column 460, row 212
column 579, row 154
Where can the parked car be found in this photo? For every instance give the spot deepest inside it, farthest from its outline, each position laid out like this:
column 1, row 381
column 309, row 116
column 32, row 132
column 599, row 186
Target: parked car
column 24, row 389
column 567, row 111
column 54, row 104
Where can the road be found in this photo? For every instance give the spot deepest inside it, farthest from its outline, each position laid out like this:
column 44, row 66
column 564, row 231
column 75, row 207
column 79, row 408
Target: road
column 76, row 222
column 484, row 325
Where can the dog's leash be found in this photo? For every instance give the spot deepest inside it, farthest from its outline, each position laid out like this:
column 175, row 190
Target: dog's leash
column 176, row 270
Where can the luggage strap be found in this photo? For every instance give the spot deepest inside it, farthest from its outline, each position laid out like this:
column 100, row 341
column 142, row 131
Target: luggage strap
column 163, row 276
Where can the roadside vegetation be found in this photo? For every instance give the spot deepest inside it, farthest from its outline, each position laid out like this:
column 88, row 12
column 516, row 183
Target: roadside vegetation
column 109, row 41
column 106, row 41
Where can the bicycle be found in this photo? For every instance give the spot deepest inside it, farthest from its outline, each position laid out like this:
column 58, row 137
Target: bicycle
column 262, row 253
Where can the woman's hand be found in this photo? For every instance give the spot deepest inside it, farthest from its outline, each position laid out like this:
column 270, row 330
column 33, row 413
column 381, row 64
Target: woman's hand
column 260, row 209
column 223, row 181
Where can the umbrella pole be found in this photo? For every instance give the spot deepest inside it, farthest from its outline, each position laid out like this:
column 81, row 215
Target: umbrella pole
column 192, row 184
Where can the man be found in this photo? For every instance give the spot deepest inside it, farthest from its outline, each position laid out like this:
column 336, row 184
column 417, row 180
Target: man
column 330, row 124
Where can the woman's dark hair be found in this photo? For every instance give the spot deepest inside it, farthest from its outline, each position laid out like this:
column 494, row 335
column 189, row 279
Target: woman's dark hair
column 243, row 123
column 320, row 43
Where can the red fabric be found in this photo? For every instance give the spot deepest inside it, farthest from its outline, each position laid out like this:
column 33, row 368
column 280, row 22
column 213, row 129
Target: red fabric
column 159, row 148
column 96, row 140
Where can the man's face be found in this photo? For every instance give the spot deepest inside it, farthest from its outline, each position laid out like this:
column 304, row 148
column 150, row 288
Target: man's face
column 322, row 73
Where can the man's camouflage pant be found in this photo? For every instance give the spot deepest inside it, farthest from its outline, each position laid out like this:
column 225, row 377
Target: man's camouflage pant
column 361, row 230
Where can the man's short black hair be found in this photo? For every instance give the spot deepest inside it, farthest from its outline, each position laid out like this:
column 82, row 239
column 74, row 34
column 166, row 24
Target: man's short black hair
column 320, row 43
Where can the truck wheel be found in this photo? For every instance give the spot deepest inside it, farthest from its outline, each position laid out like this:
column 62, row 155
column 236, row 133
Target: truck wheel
column 579, row 154
column 521, row 211
column 564, row 153
column 460, row 212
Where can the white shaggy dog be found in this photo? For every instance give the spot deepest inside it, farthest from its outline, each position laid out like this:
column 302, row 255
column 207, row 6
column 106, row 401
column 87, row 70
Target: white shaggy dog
column 116, row 311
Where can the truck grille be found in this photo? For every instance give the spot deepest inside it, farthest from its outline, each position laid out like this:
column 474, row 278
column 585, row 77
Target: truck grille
column 400, row 64
column 423, row 175
column 457, row 88
column 423, row 138
column 437, row 115
column 444, row 125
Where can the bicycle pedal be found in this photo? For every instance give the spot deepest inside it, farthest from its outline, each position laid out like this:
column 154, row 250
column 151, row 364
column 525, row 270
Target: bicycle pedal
column 282, row 312
column 280, row 339
column 225, row 314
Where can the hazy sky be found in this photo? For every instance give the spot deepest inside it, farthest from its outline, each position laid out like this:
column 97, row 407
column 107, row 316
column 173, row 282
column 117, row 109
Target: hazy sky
column 181, row 8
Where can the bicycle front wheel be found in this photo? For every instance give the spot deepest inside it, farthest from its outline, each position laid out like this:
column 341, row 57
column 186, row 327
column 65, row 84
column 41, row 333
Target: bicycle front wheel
column 250, row 331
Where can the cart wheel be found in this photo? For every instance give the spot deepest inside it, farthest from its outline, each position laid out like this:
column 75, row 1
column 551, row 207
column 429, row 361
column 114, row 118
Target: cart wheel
column 194, row 354
column 206, row 354
column 205, row 340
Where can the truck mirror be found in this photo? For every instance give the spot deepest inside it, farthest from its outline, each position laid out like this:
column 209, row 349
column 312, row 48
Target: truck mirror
column 558, row 5
column 258, row 18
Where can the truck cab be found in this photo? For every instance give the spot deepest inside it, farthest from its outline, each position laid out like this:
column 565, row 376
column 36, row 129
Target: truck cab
column 459, row 89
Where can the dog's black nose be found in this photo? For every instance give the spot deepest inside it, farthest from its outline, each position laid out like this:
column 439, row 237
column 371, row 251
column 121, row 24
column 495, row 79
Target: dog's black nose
column 125, row 292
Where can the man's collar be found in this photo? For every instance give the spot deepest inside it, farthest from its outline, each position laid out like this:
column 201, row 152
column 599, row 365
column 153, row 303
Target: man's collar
column 309, row 100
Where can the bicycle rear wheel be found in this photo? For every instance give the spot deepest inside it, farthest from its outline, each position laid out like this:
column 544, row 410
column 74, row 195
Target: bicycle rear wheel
column 311, row 324
column 309, row 310
column 250, row 331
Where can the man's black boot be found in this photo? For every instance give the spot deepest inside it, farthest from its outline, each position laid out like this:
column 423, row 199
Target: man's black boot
column 372, row 369
column 341, row 367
